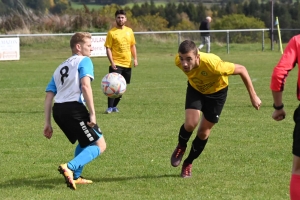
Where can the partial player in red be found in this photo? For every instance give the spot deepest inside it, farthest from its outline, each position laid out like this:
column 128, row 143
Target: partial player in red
column 289, row 59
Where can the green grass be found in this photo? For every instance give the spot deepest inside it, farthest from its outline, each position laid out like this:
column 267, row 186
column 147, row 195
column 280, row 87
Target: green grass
column 76, row 5
column 248, row 155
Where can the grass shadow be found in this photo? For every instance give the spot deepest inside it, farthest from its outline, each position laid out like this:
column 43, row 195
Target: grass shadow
column 39, row 182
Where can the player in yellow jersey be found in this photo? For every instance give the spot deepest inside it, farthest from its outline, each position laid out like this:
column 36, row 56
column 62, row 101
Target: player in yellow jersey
column 206, row 92
column 120, row 48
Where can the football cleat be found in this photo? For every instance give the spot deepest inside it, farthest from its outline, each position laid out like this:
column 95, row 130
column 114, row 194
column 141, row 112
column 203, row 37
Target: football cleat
column 115, row 109
column 109, row 110
column 186, row 170
column 177, row 155
column 82, row 180
column 68, row 175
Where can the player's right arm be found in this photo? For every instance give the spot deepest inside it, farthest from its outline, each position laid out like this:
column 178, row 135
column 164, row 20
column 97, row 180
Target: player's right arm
column 110, row 58
column 108, row 45
column 47, row 111
column 286, row 63
column 278, row 114
column 51, row 91
column 280, row 72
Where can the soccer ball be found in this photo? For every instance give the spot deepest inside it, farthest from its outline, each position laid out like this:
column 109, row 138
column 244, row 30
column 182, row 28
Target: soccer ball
column 113, row 85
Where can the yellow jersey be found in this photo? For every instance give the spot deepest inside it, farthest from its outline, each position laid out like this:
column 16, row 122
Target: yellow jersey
column 211, row 75
column 120, row 42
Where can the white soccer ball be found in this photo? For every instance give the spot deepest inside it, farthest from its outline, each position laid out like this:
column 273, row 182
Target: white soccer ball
column 113, row 85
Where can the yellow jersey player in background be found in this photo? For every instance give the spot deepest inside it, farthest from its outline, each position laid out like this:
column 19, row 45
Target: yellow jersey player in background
column 120, row 48
column 206, row 92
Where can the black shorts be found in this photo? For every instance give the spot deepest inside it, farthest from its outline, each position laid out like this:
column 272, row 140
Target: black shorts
column 296, row 134
column 124, row 71
column 210, row 105
column 72, row 118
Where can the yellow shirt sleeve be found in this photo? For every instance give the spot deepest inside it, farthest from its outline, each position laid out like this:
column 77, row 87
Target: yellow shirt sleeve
column 211, row 75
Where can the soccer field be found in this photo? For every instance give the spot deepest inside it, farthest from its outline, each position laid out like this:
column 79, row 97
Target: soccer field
column 248, row 155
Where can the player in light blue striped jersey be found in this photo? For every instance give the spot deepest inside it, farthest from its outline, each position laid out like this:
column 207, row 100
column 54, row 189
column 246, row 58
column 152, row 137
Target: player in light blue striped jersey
column 73, row 108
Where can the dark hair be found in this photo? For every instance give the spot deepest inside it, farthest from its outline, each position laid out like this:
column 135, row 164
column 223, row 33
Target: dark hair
column 120, row 12
column 187, row 46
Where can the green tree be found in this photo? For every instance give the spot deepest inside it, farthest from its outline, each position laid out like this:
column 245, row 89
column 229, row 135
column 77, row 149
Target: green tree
column 238, row 21
column 152, row 22
column 3, row 8
column 171, row 15
column 38, row 5
column 285, row 21
column 189, row 9
column 295, row 14
column 230, row 8
column 60, row 6
column 9, row 3
column 254, row 8
column 201, row 13
column 153, row 8
column 146, row 8
column 121, row 2
column 185, row 23
column 161, row 10
column 215, row 9
column 110, row 10
column 192, row 12
column 181, row 7
column 51, row 3
column 136, row 10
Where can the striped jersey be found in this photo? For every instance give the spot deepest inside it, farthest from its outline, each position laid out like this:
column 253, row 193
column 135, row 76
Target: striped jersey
column 65, row 82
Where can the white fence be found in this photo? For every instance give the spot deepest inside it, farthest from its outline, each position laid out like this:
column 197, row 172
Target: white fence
column 178, row 33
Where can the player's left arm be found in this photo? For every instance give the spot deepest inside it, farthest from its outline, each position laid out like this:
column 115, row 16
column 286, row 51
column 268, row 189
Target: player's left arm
column 242, row 71
column 133, row 50
column 86, row 75
column 134, row 54
column 87, row 93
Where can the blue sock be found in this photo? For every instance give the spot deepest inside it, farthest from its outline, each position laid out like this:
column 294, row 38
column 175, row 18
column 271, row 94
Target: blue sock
column 86, row 155
column 78, row 171
column 78, row 150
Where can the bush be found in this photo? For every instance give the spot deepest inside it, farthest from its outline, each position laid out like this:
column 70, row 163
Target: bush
column 152, row 22
column 239, row 21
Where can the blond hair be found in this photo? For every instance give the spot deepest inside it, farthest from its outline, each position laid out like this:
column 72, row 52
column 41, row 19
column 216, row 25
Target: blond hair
column 79, row 38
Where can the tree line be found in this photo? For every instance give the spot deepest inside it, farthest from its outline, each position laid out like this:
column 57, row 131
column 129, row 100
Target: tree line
column 185, row 15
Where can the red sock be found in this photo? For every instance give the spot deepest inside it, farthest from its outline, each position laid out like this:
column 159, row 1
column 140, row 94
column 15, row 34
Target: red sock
column 295, row 187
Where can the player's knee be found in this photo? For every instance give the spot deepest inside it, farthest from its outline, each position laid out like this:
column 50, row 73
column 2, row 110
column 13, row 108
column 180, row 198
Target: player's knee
column 190, row 126
column 101, row 144
column 103, row 147
column 203, row 135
